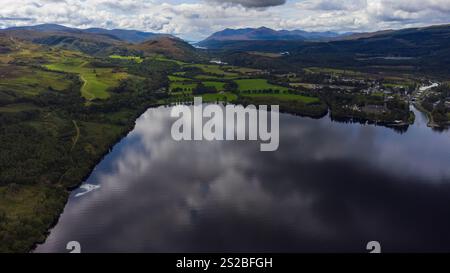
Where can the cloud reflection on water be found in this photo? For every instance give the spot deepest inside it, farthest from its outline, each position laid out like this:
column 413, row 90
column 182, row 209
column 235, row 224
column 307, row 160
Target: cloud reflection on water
column 330, row 187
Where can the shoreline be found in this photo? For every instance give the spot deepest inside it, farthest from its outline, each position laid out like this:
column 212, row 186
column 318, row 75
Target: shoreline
column 128, row 129
column 430, row 121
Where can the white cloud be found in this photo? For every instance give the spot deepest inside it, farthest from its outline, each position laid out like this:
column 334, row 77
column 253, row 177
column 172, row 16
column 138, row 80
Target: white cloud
column 252, row 3
column 332, row 5
column 195, row 19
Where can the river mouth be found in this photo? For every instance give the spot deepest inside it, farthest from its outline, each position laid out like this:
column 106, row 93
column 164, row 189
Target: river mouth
column 331, row 187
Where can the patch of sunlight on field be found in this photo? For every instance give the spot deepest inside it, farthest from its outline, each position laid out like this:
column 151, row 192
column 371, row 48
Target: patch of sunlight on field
column 220, row 86
column 96, row 81
column 137, row 59
column 173, row 78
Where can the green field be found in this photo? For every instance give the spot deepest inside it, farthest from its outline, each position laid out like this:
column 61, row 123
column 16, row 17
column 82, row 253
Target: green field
column 219, row 97
column 214, row 69
column 209, row 77
column 257, row 84
column 96, row 81
column 162, row 58
column 220, row 86
column 186, row 87
column 290, row 97
column 174, row 78
column 127, row 58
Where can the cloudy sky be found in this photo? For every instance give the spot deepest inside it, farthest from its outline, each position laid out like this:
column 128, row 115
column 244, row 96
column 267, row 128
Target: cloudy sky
column 197, row 19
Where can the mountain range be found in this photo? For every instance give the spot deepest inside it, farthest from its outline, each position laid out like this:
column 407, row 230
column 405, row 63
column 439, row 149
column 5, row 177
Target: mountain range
column 103, row 42
column 426, row 47
column 267, row 34
column 411, row 50
column 131, row 36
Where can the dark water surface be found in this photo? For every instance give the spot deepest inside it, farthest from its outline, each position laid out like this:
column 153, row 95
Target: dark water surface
column 331, row 187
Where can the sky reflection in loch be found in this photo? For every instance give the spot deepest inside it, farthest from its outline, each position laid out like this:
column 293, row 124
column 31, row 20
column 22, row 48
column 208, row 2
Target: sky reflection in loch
column 331, row 187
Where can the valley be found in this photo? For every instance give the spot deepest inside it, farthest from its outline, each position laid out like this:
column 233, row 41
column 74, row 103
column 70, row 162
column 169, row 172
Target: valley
column 66, row 97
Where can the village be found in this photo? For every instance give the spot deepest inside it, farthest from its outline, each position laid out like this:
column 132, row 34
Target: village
column 347, row 94
column 351, row 94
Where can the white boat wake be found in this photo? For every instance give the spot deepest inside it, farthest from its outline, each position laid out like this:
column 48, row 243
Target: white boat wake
column 87, row 189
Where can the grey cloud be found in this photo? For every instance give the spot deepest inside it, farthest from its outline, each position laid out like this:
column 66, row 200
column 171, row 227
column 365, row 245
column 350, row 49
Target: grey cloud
column 253, row 3
column 333, row 5
column 15, row 19
column 123, row 7
column 196, row 19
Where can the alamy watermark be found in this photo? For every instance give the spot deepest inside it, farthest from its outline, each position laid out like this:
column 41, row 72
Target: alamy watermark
column 227, row 123
column 75, row 247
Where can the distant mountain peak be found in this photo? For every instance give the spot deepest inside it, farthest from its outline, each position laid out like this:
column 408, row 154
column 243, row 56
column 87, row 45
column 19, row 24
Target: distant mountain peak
column 46, row 28
column 264, row 33
column 169, row 46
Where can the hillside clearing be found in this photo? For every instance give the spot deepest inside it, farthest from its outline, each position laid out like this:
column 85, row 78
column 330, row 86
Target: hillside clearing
column 96, row 81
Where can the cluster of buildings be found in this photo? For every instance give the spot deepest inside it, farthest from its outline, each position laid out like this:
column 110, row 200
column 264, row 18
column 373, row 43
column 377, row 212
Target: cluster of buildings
column 219, row 62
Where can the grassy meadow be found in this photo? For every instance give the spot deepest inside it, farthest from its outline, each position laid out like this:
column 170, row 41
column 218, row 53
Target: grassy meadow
column 136, row 59
column 257, row 84
column 96, row 81
column 184, row 82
